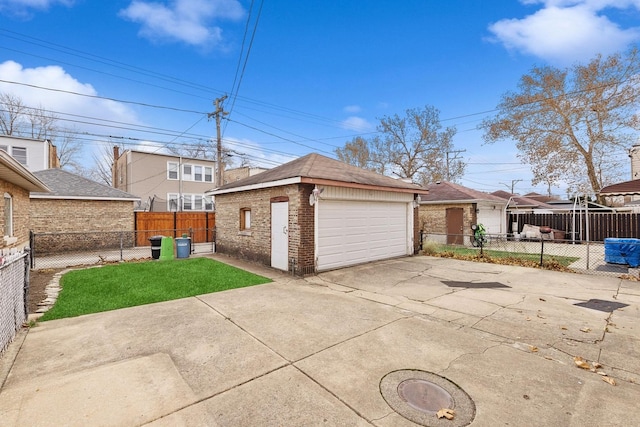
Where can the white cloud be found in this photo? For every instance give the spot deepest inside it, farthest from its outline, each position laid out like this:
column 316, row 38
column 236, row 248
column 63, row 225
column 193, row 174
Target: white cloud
column 187, row 21
column 566, row 31
column 352, row 109
column 23, row 8
column 56, row 77
column 357, row 124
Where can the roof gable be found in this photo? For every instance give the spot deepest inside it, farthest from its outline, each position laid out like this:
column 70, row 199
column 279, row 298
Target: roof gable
column 315, row 167
column 65, row 184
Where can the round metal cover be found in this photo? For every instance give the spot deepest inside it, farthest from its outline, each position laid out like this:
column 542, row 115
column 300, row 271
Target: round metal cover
column 424, row 395
column 419, row 395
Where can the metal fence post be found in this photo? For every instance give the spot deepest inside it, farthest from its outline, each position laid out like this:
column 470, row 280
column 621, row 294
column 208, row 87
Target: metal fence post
column 25, row 294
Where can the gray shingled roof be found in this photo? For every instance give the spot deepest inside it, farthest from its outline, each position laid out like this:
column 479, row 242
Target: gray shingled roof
column 516, row 201
column 65, row 184
column 316, row 166
column 449, row 191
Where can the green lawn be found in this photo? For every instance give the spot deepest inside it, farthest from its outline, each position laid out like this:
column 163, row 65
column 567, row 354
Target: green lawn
column 116, row 286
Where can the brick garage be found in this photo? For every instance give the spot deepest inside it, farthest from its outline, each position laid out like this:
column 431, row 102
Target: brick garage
column 334, row 215
column 80, row 214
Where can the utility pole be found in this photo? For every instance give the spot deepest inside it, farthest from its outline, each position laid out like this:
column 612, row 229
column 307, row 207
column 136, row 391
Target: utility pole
column 513, row 184
column 456, row 152
column 218, row 113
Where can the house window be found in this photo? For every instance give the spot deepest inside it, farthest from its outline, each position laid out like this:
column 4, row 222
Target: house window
column 208, row 203
column 187, row 202
column 172, row 170
column 245, row 219
column 20, row 154
column 172, row 202
column 187, row 172
column 208, row 174
column 197, row 203
column 8, row 215
column 197, row 173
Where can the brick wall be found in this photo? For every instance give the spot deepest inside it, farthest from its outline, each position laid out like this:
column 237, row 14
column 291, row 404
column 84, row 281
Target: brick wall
column 255, row 245
column 433, row 218
column 77, row 225
column 61, row 216
column 21, row 202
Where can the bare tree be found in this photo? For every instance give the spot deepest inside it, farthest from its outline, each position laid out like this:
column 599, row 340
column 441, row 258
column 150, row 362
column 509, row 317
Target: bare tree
column 12, row 111
column 411, row 146
column 68, row 148
column 568, row 123
column 42, row 123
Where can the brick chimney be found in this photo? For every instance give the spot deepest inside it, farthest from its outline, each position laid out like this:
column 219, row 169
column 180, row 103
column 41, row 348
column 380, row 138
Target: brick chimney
column 114, row 166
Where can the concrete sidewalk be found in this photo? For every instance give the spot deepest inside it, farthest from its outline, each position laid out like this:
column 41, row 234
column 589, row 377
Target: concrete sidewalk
column 334, row 349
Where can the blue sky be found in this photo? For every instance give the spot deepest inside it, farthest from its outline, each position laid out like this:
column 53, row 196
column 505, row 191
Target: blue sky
column 316, row 75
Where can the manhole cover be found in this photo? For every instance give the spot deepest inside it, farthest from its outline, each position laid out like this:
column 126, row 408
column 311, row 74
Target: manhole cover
column 424, row 395
column 602, row 305
column 474, row 285
column 419, row 395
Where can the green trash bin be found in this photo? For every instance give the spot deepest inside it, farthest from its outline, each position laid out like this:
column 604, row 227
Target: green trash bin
column 183, row 247
column 166, row 248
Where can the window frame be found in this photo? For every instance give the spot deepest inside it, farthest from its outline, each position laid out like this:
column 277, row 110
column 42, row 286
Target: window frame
column 173, row 167
column 245, row 217
column 19, row 157
column 8, row 215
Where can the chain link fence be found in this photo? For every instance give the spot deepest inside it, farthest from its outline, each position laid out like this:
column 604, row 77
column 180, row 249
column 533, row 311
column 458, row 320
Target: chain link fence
column 62, row 250
column 14, row 286
column 613, row 257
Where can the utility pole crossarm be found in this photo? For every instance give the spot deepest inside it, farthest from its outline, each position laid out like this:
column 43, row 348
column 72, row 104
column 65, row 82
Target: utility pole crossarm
column 218, row 113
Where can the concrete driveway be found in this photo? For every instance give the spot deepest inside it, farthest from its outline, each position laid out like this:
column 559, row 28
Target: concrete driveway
column 380, row 344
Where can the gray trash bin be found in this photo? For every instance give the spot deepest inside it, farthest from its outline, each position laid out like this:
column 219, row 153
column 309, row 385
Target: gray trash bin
column 183, row 247
column 156, row 244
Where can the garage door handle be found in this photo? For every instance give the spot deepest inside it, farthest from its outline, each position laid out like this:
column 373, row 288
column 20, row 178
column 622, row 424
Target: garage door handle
column 284, row 230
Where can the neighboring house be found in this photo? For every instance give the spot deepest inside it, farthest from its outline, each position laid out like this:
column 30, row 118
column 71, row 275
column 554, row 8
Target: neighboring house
column 164, row 183
column 90, row 213
column 623, row 194
column 237, row 174
column 15, row 183
column 450, row 209
column 315, row 214
column 33, row 154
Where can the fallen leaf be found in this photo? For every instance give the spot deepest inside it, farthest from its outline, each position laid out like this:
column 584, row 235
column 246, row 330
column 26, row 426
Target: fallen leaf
column 585, row 330
column 533, row 349
column 542, row 317
column 604, row 374
column 609, row 380
column 528, row 319
column 581, row 363
column 548, row 357
column 596, row 365
column 446, row 413
column 564, row 328
column 542, row 299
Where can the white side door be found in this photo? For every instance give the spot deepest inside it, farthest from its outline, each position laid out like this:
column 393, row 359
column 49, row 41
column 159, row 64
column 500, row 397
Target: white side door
column 280, row 235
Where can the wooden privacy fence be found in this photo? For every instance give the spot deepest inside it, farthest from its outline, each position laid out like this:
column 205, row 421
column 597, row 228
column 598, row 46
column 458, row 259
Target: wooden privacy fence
column 199, row 225
column 601, row 224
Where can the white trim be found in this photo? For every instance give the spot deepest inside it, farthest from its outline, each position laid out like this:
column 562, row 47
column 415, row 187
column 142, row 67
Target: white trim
column 287, row 181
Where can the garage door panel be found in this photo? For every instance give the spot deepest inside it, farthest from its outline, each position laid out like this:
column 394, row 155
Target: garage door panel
column 351, row 232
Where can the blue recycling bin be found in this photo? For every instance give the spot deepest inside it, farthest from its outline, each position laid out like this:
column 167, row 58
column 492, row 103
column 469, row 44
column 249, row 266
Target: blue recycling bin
column 183, row 247
column 622, row 251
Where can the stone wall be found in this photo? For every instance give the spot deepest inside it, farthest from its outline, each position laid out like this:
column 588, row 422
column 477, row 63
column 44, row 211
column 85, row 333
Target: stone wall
column 20, row 203
column 255, row 244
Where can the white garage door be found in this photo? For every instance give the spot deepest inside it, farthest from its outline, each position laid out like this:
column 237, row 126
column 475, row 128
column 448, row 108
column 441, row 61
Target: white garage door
column 354, row 232
column 491, row 219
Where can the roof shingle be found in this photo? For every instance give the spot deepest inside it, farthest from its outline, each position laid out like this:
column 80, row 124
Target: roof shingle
column 66, row 184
